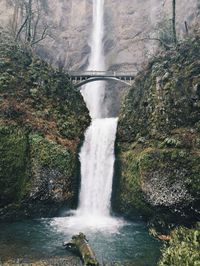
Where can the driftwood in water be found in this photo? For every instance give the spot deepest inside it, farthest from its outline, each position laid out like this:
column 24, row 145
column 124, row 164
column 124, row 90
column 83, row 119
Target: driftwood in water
column 80, row 244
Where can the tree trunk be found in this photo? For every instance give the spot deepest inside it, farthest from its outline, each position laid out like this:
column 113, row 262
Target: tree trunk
column 29, row 20
column 174, row 21
column 80, row 244
column 15, row 18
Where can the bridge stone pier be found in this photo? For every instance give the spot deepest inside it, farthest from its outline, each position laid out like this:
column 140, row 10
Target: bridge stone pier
column 79, row 79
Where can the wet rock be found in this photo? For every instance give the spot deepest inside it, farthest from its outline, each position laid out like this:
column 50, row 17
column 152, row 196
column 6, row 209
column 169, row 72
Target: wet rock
column 161, row 174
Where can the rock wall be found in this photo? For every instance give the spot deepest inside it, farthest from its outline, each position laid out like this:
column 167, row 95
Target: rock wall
column 42, row 124
column 70, row 27
column 128, row 26
column 147, row 141
column 158, row 139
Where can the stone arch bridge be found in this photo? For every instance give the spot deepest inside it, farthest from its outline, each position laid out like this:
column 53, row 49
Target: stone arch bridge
column 79, row 79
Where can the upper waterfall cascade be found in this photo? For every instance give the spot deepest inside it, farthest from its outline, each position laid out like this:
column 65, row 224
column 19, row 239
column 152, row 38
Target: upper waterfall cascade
column 94, row 93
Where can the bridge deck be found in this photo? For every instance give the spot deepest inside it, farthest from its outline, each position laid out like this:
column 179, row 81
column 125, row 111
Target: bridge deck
column 79, row 78
column 111, row 74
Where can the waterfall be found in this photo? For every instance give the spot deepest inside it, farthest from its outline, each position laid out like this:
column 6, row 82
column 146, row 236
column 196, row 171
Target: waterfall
column 93, row 93
column 97, row 153
column 97, row 161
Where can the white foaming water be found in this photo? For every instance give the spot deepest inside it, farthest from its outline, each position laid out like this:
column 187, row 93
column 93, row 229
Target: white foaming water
column 97, row 154
column 93, row 93
column 97, row 161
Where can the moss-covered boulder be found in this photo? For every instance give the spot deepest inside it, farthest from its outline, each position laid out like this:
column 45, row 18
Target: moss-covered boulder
column 13, row 164
column 158, row 152
column 42, row 124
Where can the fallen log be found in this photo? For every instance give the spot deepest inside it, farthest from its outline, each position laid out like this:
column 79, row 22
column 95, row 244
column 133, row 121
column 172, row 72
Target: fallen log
column 80, row 244
column 164, row 237
column 155, row 234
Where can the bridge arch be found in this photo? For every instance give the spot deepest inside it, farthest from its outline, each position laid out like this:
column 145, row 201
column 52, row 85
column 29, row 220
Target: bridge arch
column 89, row 80
column 79, row 79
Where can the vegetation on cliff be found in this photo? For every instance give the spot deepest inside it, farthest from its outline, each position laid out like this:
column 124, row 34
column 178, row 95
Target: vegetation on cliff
column 42, row 122
column 158, row 151
column 158, row 138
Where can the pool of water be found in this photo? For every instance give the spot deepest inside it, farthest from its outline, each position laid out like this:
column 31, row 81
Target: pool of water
column 43, row 238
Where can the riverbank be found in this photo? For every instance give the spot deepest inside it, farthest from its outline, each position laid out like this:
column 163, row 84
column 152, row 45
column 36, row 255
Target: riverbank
column 57, row 261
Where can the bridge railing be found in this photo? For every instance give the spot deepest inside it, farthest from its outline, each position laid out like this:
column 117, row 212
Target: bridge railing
column 101, row 73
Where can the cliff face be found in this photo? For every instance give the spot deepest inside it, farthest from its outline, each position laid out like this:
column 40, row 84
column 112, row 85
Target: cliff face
column 129, row 27
column 70, row 22
column 158, row 138
column 42, row 122
column 158, row 126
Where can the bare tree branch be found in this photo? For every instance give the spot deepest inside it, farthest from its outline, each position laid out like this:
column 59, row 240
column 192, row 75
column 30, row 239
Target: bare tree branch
column 44, row 35
column 21, row 28
column 164, row 2
column 36, row 23
column 30, row 31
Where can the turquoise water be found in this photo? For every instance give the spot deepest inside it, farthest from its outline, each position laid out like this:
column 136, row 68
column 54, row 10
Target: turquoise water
column 40, row 239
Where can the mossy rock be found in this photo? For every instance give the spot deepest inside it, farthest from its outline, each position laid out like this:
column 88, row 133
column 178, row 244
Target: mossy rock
column 153, row 179
column 38, row 176
column 158, row 138
column 45, row 120
column 13, row 164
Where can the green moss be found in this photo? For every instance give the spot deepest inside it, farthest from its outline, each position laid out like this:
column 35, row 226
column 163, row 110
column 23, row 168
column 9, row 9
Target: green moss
column 143, row 168
column 13, row 163
column 46, row 120
column 164, row 96
column 49, row 154
column 128, row 197
column 183, row 248
column 158, row 136
column 35, row 89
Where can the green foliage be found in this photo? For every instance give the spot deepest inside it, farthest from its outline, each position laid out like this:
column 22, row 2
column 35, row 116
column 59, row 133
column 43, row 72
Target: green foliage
column 128, row 197
column 150, row 175
column 183, row 248
column 158, row 136
column 48, row 154
column 165, row 31
column 46, row 119
column 13, row 163
column 23, row 76
column 171, row 142
column 154, row 113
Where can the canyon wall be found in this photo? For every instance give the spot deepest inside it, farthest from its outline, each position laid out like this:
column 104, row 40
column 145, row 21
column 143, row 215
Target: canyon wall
column 157, row 150
column 126, row 23
column 130, row 29
column 42, row 125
